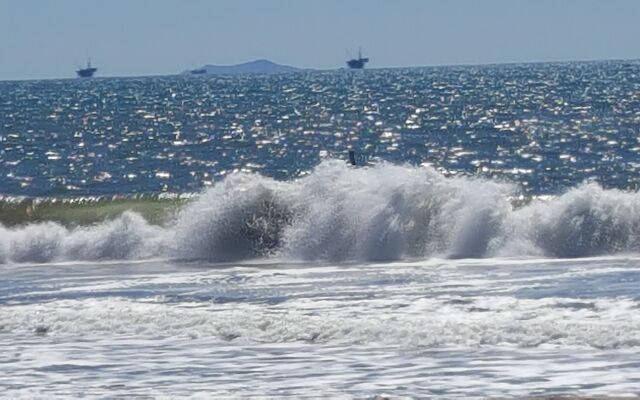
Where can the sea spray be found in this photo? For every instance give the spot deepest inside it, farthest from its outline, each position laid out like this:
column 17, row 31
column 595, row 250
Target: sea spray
column 126, row 237
column 387, row 212
column 339, row 213
column 242, row 217
column 585, row 221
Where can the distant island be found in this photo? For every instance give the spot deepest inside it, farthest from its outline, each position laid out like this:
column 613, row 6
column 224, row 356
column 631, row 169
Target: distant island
column 251, row 67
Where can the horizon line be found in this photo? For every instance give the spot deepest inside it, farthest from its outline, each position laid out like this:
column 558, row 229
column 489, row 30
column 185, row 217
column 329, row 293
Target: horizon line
column 313, row 69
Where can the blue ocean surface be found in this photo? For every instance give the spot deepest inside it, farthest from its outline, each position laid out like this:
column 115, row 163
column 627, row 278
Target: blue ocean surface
column 545, row 127
column 195, row 236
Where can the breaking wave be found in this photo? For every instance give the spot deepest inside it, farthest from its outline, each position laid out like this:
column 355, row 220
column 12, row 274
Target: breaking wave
column 339, row 213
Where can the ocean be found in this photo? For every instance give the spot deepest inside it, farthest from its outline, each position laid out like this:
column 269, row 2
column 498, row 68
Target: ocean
column 204, row 236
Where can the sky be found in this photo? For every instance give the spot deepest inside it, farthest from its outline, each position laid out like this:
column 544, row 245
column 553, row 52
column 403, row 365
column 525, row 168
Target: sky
column 51, row 38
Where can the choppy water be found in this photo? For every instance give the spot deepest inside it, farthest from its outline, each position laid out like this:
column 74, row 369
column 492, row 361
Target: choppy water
column 546, row 126
column 183, row 236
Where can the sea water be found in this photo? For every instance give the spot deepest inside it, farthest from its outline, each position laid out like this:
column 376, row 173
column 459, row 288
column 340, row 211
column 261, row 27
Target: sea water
column 204, row 236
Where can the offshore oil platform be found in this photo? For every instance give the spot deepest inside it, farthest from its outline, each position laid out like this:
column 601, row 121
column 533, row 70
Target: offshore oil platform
column 358, row 63
column 86, row 72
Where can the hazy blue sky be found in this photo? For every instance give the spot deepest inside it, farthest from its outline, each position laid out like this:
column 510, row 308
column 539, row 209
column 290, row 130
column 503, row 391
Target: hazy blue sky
column 50, row 38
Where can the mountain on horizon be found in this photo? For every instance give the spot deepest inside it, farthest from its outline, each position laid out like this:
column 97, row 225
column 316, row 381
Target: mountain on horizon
column 251, row 67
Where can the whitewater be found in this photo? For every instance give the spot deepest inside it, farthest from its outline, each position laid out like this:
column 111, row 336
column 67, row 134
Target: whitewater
column 339, row 213
column 437, row 328
column 306, row 288
column 204, row 237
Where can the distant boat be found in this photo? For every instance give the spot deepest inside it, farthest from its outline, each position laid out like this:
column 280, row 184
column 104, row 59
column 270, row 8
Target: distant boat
column 358, row 63
column 86, row 72
column 198, row 71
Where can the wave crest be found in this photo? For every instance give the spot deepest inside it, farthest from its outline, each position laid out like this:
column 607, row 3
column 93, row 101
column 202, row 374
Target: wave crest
column 586, row 221
column 339, row 213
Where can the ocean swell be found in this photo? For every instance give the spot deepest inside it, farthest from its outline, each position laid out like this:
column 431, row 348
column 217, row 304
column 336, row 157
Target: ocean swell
column 339, row 213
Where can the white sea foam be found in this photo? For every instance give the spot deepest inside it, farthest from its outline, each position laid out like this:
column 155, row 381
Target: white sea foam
column 468, row 328
column 386, row 212
column 423, row 323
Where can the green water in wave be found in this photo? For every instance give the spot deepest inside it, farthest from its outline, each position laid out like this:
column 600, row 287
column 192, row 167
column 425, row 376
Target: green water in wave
column 85, row 211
